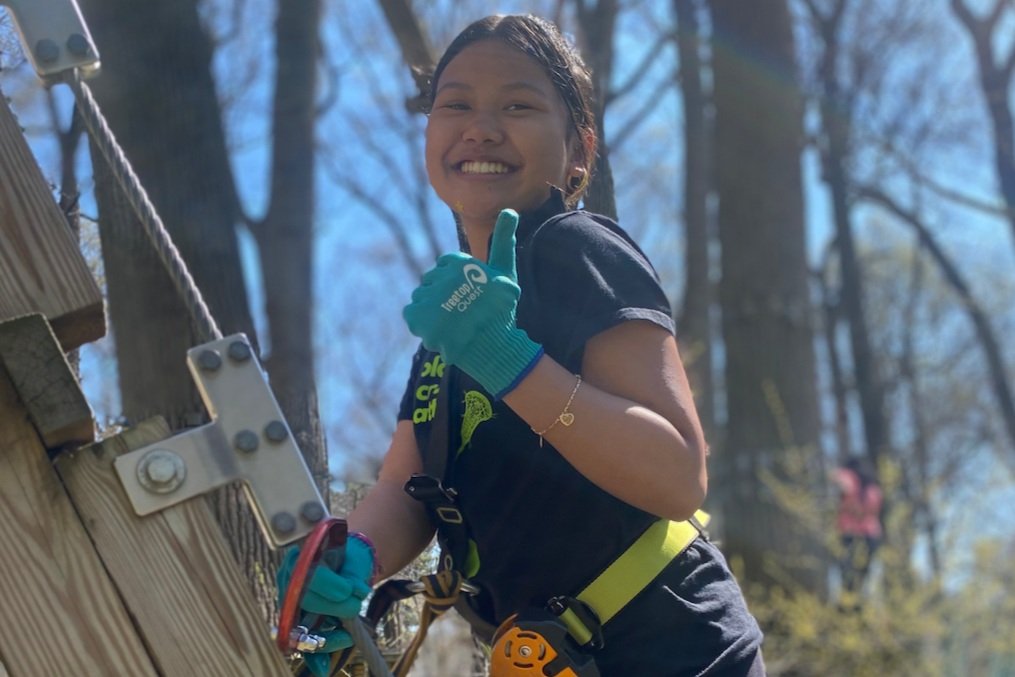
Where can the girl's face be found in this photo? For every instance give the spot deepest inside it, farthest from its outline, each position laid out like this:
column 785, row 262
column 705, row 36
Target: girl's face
column 497, row 136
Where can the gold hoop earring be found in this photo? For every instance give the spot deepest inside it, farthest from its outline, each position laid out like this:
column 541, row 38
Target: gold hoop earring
column 576, row 181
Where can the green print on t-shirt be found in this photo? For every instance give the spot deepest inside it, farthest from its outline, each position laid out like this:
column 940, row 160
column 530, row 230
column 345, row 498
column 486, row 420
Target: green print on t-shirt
column 477, row 410
column 426, row 393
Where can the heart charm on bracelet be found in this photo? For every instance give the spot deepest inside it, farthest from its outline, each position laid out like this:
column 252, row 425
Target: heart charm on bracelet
column 567, row 418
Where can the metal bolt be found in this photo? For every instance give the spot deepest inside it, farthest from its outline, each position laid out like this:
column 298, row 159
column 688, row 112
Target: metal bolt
column 276, row 431
column 47, row 51
column 312, row 511
column 78, row 45
column 239, row 351
column 524, row 651
column 246, row 440
column 209, row 360
column 161, row 471
column 283, row 523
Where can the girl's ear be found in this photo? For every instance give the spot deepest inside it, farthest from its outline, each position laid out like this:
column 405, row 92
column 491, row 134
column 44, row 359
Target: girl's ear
column 579, row 154
column 583, row 149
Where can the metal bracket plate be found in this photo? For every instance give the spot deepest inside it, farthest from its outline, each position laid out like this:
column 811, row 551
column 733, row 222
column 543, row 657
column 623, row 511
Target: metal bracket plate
column 248, row 440
column 54, row 36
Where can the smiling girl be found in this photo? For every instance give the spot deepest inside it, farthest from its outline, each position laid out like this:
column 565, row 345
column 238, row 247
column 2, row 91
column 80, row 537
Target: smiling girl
column 548, row 395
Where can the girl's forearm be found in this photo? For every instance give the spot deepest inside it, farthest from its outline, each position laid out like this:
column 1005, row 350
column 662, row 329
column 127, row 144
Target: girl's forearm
column 624, row 448
column 395, row 523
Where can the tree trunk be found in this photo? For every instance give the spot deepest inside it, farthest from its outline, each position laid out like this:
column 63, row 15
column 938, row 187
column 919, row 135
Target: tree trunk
column 772, row 403
column 285, row 236
column 837, row 125
column 694, row 321
column 995, row 82
column 597, row 25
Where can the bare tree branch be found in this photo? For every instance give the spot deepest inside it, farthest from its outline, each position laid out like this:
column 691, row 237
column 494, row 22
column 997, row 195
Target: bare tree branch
column 979, row 319
column 416, row 51
column 394, row 222
column 644, row 112
column 648, row 59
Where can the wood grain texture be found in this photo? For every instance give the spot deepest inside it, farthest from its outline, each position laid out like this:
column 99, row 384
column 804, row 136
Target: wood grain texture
column 173, row 569
column 59, row 612
column 41, row 268
column 45, row 382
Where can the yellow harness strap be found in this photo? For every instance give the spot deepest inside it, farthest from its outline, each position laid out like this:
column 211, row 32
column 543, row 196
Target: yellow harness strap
column 630, row 573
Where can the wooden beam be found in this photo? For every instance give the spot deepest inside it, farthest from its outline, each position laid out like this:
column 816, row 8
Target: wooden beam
column 45, row 382
column 174, row 570
column 59, row 612
column 41, row 268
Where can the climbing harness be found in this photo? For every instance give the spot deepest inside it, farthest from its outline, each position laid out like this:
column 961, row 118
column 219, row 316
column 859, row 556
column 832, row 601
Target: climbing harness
column 558, row 639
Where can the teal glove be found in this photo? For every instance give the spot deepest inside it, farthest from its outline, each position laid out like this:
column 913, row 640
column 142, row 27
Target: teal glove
column 465, row 309
column 319, row 664
column 334, row 594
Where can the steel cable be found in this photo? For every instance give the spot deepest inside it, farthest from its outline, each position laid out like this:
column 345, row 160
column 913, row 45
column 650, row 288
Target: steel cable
column 105, row 141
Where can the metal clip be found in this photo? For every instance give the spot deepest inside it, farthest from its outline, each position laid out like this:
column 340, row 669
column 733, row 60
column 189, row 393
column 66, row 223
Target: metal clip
column 54, row 37
column 301, row 640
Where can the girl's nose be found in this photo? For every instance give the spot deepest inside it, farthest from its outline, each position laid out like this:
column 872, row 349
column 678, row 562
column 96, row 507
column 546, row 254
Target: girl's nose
column 483, row 128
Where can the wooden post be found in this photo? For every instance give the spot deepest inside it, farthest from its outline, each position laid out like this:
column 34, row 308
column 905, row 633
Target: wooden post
column 88, row 587
column 41, row 268
column 59, row 611
column 173, row 569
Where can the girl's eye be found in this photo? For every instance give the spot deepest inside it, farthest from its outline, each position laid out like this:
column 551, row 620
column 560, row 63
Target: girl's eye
column 518, row 107
column 455, row 105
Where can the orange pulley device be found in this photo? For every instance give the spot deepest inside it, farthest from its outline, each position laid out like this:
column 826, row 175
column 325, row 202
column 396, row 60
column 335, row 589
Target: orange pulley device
column 536, row 643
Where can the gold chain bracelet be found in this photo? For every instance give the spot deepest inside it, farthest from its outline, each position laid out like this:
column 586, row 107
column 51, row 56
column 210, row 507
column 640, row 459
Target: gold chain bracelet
column 565, row 418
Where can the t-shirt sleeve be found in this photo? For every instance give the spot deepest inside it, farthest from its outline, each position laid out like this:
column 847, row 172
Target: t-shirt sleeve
column 588, row 276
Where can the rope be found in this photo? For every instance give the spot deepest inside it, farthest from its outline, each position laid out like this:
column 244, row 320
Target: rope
column 102, row 135
column 440, row 592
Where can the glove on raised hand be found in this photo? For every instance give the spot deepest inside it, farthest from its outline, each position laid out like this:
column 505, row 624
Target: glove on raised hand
column 465, row 309
column 336, row 594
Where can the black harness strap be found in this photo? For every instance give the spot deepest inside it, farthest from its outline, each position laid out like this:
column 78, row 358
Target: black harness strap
column 431, row 487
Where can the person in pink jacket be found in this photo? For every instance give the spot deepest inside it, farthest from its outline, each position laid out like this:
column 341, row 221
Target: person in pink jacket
column 858, row 520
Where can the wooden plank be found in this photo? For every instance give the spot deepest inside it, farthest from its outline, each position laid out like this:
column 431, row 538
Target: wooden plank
column 173, row 568
column 59, row 612
column 45, row 382
column 41, row 268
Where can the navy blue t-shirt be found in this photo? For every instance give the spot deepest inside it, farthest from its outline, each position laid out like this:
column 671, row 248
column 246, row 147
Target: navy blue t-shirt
column 538, row 528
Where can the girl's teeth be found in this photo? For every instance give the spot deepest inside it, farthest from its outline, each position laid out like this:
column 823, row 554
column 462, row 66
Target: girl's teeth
column 483, row 168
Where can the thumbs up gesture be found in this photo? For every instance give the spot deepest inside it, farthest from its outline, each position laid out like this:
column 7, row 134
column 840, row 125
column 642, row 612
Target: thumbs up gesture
column 465, row 309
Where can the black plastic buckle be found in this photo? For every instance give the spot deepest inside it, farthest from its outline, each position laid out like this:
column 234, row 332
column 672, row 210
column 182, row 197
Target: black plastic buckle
column 426, row 488
column 571, row 611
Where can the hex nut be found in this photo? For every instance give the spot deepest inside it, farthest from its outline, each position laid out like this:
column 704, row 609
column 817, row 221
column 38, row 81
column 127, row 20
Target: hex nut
column 239, row 351
column 161, row 471
column 276, row 431
column 47, row 51
column 246, row 441
column 312, row 511
column 209, row 360
column 78, row 45
column 283, row 523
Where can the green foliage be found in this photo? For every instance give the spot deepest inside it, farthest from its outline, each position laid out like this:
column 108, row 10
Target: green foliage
column 905, row 620
column 883, row 634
